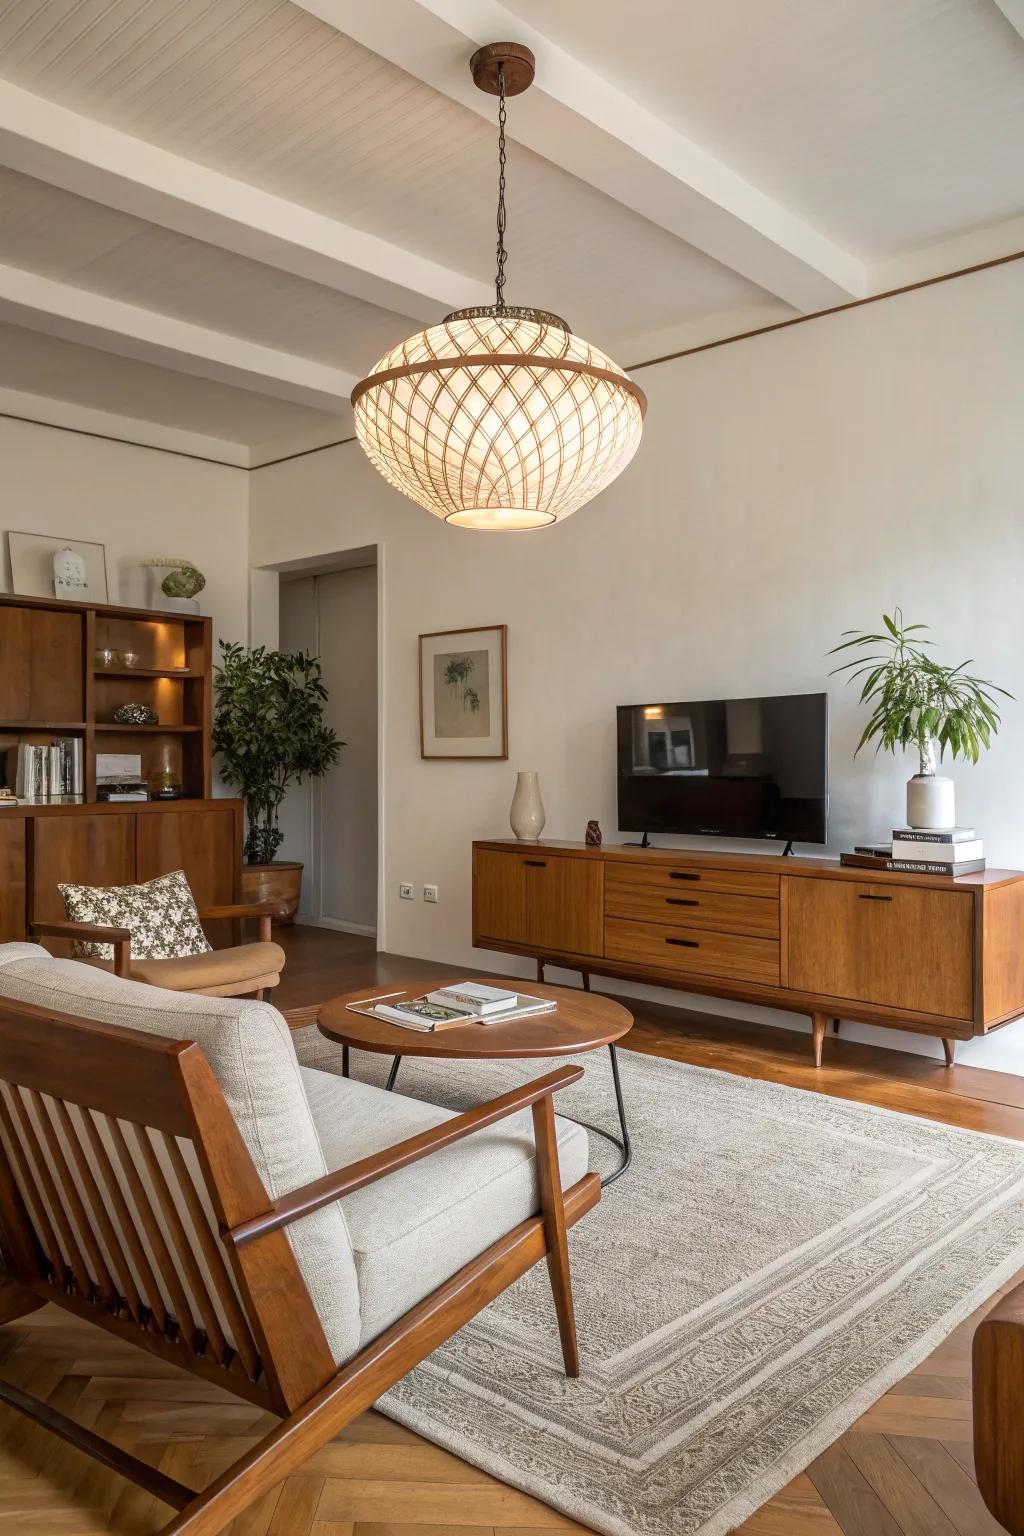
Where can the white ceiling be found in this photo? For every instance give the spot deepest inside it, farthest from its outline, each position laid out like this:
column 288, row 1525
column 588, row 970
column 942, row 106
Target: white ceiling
column 234, row 209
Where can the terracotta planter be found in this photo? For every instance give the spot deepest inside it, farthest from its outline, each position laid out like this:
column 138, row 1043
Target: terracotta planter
column 279, row 882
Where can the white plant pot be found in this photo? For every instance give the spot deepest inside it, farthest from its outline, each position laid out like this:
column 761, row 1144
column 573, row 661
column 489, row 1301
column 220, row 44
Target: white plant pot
column 931, row 802
column 527, row 812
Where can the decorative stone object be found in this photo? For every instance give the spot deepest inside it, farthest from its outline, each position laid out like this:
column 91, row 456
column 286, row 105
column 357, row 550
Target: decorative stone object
column 527, row 813
column 593, row 835
column 136, row 714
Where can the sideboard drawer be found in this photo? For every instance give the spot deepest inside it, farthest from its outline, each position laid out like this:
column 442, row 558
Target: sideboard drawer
column 900, row 946
column 697, row 908
column 692, row 949
column 674, row 878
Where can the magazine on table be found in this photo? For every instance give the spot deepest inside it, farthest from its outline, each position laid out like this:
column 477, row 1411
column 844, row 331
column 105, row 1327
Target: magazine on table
column 427, row 1016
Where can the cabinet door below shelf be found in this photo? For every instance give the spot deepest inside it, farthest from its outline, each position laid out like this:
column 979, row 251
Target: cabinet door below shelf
column 202, row 842
column 895, row 946
column 78, row 849
column 564, row 904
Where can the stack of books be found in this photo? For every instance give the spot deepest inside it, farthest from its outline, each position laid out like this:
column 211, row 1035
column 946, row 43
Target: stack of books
column 466, row 1002
column 945, row 851
column 54, row 773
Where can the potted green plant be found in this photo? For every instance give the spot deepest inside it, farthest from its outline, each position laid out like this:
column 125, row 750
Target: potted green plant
column 269, row 732
column 917, row 702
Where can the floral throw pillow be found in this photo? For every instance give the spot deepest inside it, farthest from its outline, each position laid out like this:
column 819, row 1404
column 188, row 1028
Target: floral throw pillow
column 161, row 917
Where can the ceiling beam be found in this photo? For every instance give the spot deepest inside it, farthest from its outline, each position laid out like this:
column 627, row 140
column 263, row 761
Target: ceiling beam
column 79, row 154
column 583, row 124
column 76, row 314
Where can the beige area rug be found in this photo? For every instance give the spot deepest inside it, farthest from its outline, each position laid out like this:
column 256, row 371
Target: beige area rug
column 771, row 1264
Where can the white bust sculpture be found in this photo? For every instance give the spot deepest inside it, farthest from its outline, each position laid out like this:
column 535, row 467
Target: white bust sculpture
column 69, row 574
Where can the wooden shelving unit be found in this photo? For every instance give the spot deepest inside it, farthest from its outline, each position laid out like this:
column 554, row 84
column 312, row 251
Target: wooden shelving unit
column 51, row 684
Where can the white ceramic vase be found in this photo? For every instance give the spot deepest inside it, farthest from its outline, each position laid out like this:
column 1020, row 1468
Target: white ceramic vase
column 931, row 798
column 527, row 812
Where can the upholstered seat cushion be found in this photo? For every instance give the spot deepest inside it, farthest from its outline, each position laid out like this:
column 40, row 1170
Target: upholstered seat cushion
column 413, row 1229
column 249, row 1049
column 256, row 964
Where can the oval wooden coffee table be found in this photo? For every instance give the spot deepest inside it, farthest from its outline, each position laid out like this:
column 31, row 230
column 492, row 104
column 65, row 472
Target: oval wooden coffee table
column 583, row 1021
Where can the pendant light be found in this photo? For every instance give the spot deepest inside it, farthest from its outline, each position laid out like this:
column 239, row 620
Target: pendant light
column 499, row 417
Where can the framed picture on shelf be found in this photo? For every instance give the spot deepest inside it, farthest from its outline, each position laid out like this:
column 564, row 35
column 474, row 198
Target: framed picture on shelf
column 46, row 566
column 464, row 693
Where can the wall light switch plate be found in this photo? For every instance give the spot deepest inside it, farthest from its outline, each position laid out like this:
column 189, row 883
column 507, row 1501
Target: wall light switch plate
column 405, row 891
column 430, row 893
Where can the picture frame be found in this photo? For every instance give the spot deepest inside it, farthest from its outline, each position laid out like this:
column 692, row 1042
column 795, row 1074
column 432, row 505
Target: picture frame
column 31, row 558
column 463, row 691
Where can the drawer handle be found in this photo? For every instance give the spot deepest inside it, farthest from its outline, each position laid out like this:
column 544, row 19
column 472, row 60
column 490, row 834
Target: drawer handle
column 682, row 874
column 870, row 896
column 684, row 943
column 682, row 901
column 536, row 863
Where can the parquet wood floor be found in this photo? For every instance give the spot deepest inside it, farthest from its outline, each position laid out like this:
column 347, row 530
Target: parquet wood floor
column 904, row 1469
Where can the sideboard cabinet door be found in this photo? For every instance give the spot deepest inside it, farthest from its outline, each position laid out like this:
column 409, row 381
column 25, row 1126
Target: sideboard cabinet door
column 565, row 904
column 12, row 878
column 499, row 897
column 78, row 850
column 204, row 843
column 201, row 842
column 900, row 946
column 539, row 900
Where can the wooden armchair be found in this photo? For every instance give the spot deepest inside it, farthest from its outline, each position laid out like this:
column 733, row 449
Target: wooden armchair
column 999, row 1410
column 116, row 1143
column 241, row 970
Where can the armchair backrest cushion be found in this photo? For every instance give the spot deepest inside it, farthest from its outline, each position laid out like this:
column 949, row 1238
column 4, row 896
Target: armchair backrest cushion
column 249, row 1049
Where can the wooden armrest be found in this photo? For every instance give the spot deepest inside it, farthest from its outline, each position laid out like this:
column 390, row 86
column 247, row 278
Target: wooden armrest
column 90, row 933
column 244, row 909
column 344, row 1181
column 263, row 911
column 998, row 1394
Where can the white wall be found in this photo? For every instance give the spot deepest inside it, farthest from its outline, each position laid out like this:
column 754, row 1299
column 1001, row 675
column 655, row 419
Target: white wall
column 138, row 502
column 788, row 487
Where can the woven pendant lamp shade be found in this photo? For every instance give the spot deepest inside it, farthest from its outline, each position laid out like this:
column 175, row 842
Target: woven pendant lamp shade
column 499, row 418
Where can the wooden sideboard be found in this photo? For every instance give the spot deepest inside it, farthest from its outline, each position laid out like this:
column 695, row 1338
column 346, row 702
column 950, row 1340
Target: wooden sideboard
column 42, row 846
column 924, row 953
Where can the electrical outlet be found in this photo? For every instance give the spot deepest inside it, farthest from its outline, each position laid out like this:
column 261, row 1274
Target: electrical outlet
column 430, row 893
column 405, row 891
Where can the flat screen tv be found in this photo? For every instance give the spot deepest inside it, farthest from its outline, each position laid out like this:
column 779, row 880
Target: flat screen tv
column 726, row 767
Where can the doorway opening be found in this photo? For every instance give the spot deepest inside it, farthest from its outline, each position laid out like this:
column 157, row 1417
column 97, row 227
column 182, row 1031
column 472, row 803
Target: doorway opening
column 332, row 824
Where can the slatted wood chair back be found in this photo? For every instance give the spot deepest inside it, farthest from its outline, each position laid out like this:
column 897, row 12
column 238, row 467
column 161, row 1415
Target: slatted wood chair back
column 121, row 1167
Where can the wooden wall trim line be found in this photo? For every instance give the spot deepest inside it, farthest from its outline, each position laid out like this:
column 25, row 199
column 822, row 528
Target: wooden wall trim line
column 819, row 314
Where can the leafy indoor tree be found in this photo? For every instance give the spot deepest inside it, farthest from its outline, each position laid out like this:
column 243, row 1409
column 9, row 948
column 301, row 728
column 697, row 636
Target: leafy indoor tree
column 914, row 700
column 269, row 731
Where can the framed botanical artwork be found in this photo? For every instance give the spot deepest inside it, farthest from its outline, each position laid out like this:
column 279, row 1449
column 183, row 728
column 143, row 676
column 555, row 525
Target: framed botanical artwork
column 464, row 693
column 43, row 566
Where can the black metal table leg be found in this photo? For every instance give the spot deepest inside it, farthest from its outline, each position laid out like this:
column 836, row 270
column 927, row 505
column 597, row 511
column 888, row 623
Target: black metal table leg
column 621, row 1141
column 393, row 1073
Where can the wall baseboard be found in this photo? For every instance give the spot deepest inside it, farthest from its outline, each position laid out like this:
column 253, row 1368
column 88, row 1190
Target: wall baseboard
column 365, row 930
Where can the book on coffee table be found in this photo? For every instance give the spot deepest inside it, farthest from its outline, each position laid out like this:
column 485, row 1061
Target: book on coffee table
column 427, row 1017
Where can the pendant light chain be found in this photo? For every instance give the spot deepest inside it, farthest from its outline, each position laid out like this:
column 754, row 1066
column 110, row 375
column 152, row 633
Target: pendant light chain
column 499, row 283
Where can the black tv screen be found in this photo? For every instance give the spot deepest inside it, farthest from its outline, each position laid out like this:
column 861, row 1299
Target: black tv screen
column 726, row 767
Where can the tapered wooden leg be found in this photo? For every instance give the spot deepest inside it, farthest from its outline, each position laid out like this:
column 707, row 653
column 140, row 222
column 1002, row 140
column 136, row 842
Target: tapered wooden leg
column 554, row 1230
column 949, row 1046
column 586, row 980
column 540, row 970
column 818, row 1023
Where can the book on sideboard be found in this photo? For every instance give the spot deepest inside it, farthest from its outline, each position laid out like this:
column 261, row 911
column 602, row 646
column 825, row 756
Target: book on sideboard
column 942, row 870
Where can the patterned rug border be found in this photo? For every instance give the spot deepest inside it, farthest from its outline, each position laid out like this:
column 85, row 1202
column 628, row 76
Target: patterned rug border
column 817, row 1439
